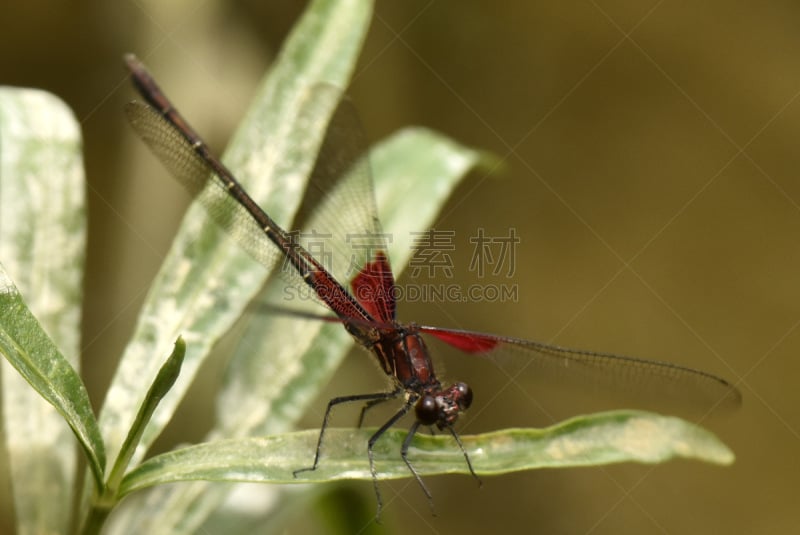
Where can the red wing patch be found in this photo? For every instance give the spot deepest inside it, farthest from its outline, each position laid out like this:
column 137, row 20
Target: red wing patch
column 373, row 288
column 468, row 342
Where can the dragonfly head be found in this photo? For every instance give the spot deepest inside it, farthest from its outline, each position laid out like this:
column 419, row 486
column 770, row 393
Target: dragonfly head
column 442, row 407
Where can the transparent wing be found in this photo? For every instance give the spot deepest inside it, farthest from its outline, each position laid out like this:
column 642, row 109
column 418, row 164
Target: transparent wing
column 204, row 183
column 343, row 229
column 666, row 384
column 339, row 214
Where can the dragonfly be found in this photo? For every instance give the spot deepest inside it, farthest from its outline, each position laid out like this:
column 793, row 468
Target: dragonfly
column 367, row 308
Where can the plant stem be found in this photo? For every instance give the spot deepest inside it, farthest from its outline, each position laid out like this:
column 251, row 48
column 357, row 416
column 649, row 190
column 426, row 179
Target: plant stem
column 96, row 518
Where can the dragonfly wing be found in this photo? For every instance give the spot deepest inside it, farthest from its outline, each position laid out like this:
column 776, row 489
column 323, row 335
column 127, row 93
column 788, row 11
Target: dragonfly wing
column 677, row 386
column 374, row 289
column 339, row 214
column 207, row 180
column 206, row 184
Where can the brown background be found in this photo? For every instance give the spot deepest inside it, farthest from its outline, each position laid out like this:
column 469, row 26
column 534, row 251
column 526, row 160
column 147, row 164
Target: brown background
column 650, row 169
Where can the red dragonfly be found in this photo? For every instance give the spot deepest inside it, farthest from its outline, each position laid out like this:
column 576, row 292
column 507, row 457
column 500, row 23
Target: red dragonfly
column 368, row 309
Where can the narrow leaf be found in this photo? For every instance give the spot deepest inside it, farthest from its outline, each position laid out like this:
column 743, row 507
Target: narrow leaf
column 32, row 353
column 42, row 210
column 598, row 439
column 206, row 281
column 166, row 377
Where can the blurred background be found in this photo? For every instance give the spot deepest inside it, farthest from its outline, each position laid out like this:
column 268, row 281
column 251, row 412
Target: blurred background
column 650, row 160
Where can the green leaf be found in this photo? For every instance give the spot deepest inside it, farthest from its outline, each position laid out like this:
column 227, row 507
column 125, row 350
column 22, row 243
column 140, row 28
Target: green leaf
column 207, row 280
column 33, row 354
column 603, row 438
column 166, row 377
column 103, row 503
column 42, row 210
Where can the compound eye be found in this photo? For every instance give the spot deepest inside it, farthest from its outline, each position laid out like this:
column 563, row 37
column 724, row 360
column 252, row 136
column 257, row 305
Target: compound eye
column 464, row 395
column 427, row 411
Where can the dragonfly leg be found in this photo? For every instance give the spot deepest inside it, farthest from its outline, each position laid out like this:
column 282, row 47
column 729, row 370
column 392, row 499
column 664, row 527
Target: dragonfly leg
column 466, row 456
column 404, row 455
column 369, row 398
column 373, row 439
column 368, row 405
